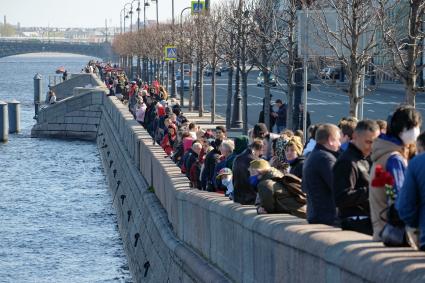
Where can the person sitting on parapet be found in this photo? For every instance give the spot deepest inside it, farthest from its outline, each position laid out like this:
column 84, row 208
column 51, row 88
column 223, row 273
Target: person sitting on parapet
column 277, row 193
column 52, row 99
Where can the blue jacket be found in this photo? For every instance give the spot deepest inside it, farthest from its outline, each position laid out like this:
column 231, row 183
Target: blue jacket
column 411, row 199
column 395, row 163
column 317, row 184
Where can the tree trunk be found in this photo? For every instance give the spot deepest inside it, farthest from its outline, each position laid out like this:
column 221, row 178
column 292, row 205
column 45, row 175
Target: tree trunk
column 354, row 96
column 229, row 96
column 267, row 99
column 290, row 106
column 213, row 94
column 182, row 83
column 410, row 90
column 245, row 100
column 201, row 92
column 190, row 86
column 237, row 98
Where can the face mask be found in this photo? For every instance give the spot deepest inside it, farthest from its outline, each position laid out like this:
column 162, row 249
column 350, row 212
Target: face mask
column 226, row 182
column 410, row 136
column 291, row 161
column 253, row 180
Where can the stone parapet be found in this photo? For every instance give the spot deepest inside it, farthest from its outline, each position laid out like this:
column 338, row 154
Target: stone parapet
column 174, row 233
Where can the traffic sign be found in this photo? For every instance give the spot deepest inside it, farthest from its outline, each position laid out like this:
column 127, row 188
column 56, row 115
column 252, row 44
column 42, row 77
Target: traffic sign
column 170, row 53
column 197, row 6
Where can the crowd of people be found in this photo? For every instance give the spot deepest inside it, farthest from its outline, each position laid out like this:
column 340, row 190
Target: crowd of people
column 366, row 176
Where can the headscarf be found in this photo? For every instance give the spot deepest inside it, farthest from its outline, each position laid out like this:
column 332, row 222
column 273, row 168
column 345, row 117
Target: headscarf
column 280, row 150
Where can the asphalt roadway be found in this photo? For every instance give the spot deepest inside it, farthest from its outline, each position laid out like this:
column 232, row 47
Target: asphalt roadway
column 327, row 101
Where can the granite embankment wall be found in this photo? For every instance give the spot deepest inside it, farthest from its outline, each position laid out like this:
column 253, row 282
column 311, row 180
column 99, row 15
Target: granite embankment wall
column 66, row 88
column 174, row 233
column 154, row 252
column 74, row 117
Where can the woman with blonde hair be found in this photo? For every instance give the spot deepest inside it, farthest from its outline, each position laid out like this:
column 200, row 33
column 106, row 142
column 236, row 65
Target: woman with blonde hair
column 294, row 156
column 163, row 94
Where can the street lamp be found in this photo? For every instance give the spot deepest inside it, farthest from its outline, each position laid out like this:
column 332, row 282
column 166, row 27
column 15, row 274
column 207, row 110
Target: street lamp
column 126, row 15
column 145, row 63
column 139, row 72
column 173, row 75
column 121, row 17
column 145, row 4
column 131, row 15
column 157, row 21
column 182, row 65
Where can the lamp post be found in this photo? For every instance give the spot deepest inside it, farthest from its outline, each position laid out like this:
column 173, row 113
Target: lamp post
column 145, row 63
column 157, row 26
column 157, row 20
column 237, row 99
column 126, row 61
column 131, row 15
column 121, row 17
column 173, row 75
column 125, row 15
column 138, row 34
column 182, row 63
column 131, row 31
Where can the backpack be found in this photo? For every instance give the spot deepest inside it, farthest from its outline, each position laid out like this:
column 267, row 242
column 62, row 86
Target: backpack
column 293, row 184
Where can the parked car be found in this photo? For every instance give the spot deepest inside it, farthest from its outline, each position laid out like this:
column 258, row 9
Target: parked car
column 208, row 71
column 329, row 73
column 185, row 82
column 224, row 67
column 260, row 79
column 186, row 68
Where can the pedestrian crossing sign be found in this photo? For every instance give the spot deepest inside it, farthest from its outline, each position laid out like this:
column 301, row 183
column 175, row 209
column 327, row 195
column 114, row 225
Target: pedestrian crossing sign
column 170, row 53
column 197, row 6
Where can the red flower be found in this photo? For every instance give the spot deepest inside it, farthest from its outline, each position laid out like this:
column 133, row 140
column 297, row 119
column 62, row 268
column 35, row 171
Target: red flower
column 389, row 180
column 382, row 178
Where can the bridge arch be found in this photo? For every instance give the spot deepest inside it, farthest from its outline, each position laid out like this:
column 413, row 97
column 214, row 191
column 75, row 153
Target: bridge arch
column 15, row 47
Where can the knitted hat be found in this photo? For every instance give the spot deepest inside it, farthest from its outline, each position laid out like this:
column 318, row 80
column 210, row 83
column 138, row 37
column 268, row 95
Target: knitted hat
column 259, row 164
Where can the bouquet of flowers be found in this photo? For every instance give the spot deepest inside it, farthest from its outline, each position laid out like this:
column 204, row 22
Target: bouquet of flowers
column 383, row 179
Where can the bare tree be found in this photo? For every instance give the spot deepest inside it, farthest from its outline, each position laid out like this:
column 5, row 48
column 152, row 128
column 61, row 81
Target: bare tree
column 266, row 47
column 213, row 36
column 403, row 37
column 352, row 40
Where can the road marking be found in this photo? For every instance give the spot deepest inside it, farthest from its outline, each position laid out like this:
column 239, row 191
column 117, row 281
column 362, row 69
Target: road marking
column 370, row 110
column 330, row 116
column 208, row 84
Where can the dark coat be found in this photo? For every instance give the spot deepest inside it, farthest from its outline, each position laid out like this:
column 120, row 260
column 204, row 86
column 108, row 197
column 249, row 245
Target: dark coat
column 281, row 116
column 191, row 158
column 244, row 193
column 298, row 121
column 211, row 160
column 317, row 184
column 296, row 167
column 351, row 182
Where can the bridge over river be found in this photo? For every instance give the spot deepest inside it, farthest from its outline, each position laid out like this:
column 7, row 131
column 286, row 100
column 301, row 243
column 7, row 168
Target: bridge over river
column 9, row 47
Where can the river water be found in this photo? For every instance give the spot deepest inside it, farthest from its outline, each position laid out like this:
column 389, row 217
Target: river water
column 56, row 219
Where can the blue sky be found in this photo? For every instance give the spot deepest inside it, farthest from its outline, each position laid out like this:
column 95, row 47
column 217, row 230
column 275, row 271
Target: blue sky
column 79, row 13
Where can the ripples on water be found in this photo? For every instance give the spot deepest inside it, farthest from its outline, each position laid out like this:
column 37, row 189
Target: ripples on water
column 57, row 223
